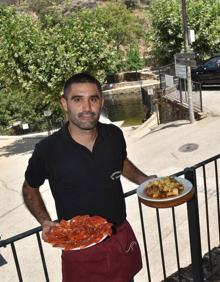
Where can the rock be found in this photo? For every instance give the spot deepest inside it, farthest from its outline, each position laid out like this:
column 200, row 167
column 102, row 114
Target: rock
column 77, row 4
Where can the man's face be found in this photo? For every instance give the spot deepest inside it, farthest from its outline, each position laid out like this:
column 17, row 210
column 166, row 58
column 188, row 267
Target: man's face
column 83, row 105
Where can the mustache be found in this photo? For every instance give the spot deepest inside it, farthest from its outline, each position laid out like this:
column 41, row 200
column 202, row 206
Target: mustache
column 86, row 113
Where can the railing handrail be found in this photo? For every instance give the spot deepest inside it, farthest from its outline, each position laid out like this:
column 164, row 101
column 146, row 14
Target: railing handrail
column 206, row 161
column 4, row 243
column 193, row 221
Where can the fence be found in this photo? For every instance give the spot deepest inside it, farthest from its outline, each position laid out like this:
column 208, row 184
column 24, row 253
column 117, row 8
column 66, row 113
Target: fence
column 178, row 91
column 171, row 236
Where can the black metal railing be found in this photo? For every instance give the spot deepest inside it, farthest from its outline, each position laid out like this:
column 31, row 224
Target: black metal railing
column 11, row 241
column 194, row 233
column 205, row 178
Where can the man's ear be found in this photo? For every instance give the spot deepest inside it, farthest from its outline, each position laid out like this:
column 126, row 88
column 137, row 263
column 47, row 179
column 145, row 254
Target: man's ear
column 63, row 103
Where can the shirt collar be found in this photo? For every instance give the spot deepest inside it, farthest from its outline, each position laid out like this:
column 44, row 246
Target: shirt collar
column 67, row 135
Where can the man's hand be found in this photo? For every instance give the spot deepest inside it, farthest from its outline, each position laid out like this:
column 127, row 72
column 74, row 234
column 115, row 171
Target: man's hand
column 46, row 227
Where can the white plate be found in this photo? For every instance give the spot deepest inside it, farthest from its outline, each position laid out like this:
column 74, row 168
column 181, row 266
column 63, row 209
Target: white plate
column 141, row 190
column 93, row 244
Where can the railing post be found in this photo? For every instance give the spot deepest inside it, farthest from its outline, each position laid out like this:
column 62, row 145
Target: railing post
column 181, row 90
column 42, row 257
column 144, row 240
column 16, row 262
column 194, row 230
column 200, row 96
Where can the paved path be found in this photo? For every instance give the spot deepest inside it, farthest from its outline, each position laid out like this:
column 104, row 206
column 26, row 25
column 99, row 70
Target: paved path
column 154, row 151
column 211, row 100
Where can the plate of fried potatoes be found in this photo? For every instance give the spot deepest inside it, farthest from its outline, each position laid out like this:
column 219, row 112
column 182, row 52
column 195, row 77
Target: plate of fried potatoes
column 164, row 188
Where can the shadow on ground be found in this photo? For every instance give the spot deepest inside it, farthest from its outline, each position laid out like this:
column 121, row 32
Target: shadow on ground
column 170, row 125
column 20, row 146
column 161, row 127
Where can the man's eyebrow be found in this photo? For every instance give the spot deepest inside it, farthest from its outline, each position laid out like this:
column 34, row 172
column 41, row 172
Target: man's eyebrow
column 72, row 96
column 82, row 94
column 78, row 95
column 95, row 95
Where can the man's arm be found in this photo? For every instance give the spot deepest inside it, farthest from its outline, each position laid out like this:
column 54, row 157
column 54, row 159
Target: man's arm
column 35, row 204
column 132, row 173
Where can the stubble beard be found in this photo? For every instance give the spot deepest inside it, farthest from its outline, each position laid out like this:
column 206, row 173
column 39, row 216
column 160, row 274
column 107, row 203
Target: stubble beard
column 85, row 125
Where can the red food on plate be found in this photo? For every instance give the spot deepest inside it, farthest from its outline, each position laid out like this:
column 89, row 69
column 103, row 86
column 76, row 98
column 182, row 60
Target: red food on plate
column 79, row 232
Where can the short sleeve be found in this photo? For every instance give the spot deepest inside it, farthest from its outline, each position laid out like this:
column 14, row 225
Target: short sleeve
column 123, row 145
column 35, row 173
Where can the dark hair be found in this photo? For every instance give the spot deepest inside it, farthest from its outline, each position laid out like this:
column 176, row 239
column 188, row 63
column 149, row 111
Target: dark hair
column 81, row 78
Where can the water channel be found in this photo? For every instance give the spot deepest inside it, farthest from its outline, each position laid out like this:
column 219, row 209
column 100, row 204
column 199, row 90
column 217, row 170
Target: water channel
column 130, row 111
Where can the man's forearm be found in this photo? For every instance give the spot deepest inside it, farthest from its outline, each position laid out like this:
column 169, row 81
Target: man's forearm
column 34, row 203
column 132, row 173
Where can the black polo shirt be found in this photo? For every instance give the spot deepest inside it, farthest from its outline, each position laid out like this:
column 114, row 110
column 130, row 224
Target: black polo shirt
column 81, row 181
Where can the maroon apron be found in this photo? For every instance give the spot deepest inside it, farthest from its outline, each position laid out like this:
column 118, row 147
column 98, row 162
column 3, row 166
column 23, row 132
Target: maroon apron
column 116, row 259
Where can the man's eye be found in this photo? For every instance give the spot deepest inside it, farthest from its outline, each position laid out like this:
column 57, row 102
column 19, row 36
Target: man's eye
column 94, row 99
column 76, row 99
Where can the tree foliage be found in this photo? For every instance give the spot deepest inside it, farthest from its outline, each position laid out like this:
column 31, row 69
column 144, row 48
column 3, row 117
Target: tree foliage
column 40, row 60
column 16, row 106
column 204, row 18
column 39, row 50
column 121, row 24
column 37, row 61
column 167, row 34
column 133, row 59
column 166, row 29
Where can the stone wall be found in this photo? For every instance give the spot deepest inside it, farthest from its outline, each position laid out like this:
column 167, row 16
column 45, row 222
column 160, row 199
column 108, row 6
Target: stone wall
column 122, row 94
column 131, row 76
column 128, row 91
column 211, row 274
column 173, row 110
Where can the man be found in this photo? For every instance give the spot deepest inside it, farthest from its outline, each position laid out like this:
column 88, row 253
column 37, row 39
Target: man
column 83, row 162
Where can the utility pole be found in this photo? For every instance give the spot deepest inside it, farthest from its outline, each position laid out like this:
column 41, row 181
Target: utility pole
column 188, row 68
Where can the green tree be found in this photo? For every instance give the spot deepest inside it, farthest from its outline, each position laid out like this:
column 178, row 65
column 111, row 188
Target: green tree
column 167, row 35
column 204, row 18
column 134, row 61
column 19, row 37
column 39, row 59
column 17, row 106
column 36, row 61
column 122, row 25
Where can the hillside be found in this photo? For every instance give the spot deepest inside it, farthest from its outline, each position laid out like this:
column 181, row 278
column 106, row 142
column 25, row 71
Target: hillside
column 75, row 4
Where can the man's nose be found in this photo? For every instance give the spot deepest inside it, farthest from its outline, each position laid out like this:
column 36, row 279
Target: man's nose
column 86, row 105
